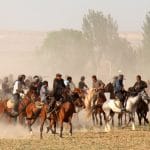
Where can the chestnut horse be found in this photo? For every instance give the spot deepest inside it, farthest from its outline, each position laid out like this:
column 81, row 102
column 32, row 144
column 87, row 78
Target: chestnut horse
column 30, row 97
column 63, row 113
column 4, row 110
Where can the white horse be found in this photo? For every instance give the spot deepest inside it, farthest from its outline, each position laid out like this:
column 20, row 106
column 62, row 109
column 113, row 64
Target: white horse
column 113, row 106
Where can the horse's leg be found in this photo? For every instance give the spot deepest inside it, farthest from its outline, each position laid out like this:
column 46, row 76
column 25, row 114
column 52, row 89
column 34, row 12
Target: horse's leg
column 21, row 119
column 133, row 122
column 96, row 118
column 112, row 117
column 41, row 127
column 54, row 127
column 29, row 125
column 50, row 127
column 61, row 128
column 100, row 117
column 93, row 118
column 145, row 118
column 108, row 117
column 70, row 124
column 139, row 117
column 125, row 118
column 120, row 115
column 119, row 118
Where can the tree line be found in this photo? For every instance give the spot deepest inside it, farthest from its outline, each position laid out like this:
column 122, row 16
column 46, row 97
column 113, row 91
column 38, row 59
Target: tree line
column 96, row 48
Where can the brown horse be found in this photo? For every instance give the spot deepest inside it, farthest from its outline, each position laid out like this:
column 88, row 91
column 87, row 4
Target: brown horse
column 7, row 112
column 65, row 113
column 30, row 97
column 62, row 113
column 97, row 109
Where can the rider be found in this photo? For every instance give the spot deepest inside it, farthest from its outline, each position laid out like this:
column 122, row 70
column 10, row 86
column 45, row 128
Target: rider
column 82, row 85
column 119, row 88
column 58, row 87
column 37, row 84
column 140, row 85
column 97, row 85
column 17, row 91
column 71, row 85
column 44, row 92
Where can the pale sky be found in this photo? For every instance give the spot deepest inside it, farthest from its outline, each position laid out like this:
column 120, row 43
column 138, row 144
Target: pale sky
column 57, row 14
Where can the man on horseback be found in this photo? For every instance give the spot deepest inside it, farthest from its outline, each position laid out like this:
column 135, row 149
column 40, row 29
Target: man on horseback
column 58, row 87
column 82, row 85
column 37, row 84
column 119, row 88
column 97, row 85
column 17, row 91
column 139, row 85
column 71, row 85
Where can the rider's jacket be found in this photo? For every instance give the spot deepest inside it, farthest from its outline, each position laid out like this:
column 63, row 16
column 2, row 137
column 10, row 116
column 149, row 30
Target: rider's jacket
column 140, row 86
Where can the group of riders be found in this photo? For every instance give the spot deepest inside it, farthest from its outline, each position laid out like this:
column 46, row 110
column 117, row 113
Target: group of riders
column 60, row 85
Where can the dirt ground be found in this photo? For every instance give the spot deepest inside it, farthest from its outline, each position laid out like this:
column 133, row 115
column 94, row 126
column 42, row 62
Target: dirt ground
column 87, row 139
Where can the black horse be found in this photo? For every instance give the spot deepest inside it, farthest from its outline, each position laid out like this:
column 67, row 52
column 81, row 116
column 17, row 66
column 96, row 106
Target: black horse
column 142, row 110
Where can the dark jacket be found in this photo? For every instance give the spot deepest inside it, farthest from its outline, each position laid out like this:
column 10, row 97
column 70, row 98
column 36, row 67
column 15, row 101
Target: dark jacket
column 140, row 86
column 58, row 87
column 118, row 86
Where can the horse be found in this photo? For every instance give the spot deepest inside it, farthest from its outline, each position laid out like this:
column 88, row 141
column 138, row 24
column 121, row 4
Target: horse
column 142, row 110
column 30, row 97
column 94, row 110
column 97, row 109
column 112, row 106
column 7, row 105
column 63, row 113
column 110, row 89
column 66, row 110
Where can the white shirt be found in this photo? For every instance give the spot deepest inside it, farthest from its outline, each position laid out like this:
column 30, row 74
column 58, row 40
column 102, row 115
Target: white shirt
column 17, row 87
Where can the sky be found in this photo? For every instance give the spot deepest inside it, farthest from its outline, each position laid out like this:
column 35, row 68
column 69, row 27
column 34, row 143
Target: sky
column 43, row 15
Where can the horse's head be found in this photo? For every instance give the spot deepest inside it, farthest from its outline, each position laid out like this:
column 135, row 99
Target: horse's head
column 144, row 96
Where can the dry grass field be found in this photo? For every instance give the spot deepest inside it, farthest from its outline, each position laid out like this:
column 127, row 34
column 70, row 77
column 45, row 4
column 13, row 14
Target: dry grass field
column 83, row 139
